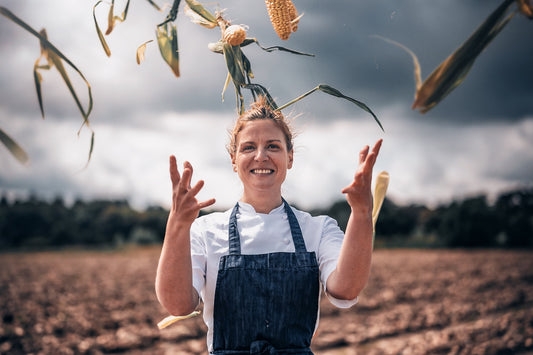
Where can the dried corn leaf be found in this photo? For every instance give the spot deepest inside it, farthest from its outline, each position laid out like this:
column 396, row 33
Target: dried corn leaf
column 99, row 32
column 55, row 59
column 197, row 8
column 140, row 51
column 168, row 46
column 15, row 149
column 526, row 8
column 198, row 19
column 111, row 18
column 334, row 92
column 451, row 73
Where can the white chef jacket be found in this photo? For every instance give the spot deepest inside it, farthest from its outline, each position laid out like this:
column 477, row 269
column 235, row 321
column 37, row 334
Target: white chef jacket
column 259, row 234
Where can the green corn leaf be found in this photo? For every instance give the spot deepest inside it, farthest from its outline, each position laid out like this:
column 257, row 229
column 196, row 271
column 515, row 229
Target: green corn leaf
column 14, row 148
column 248, row 41
column 55, row 60
column 99, row 32
column 202, row 12
column 260, row 90
column 168, row 46
column 38, row 78
column 154, row 5
column 334, row 92
column 234, row 63
column 50, row 48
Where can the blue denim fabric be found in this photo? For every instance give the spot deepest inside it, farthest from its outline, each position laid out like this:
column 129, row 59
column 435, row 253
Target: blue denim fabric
column 265, row 303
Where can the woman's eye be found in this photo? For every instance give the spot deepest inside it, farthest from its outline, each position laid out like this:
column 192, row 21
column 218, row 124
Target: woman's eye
column 247, row 148
column 273, row 146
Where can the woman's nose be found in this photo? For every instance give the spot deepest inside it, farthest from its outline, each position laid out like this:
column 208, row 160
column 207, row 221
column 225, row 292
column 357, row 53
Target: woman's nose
column 261, row 155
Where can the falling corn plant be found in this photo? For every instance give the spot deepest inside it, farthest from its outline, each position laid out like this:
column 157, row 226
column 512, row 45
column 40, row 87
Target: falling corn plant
column 15, row 149
column 112, row 20
column 380, row 189
column 452, row 71
column 53, row 58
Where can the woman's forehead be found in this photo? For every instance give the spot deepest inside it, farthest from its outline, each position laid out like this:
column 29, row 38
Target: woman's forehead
column 261, row 129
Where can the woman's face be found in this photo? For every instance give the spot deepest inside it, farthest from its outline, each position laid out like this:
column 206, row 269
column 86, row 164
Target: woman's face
column 261, row 158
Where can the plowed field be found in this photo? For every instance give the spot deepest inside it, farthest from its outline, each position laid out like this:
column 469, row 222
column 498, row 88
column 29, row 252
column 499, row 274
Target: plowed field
column 417, row 302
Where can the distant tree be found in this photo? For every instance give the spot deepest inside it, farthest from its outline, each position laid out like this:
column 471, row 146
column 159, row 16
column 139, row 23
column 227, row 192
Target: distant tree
column 515, row 212
column 469, row 223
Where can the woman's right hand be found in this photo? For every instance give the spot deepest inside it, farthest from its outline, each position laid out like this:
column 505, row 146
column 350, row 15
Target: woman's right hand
column 185, row 207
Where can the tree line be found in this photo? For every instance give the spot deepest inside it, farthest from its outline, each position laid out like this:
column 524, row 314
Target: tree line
column 36, row 224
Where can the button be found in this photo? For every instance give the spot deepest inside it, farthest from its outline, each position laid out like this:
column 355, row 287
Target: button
column 238, row 215
column 286, row 241
column 284, row 216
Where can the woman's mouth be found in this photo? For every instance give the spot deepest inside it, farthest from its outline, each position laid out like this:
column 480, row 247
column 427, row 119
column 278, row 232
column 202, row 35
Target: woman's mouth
column 262, row 171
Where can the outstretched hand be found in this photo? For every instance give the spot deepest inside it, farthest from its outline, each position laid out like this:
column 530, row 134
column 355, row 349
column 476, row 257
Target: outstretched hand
column 185, row 207
column 359, row 192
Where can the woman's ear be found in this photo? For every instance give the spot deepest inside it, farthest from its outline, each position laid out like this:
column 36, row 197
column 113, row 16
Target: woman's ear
column 233, row 164
column 291, row 154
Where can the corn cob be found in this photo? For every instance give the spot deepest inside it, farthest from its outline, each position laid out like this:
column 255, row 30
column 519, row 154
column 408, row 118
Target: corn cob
column 278, row 11
column 293, row 14
column 234, row 35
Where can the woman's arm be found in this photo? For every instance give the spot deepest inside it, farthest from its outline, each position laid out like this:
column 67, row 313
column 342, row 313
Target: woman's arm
column 173, row 284
column 353, row 265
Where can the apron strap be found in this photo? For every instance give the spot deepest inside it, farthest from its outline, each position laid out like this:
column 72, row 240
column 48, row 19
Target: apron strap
column 234, row 237
column 297, row 237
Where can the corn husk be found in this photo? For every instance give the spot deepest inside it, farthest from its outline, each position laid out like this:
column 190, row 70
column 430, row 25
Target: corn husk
column 173, row 319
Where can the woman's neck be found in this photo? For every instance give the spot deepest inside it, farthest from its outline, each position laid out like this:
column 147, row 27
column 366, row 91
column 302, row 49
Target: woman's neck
column 262, row 203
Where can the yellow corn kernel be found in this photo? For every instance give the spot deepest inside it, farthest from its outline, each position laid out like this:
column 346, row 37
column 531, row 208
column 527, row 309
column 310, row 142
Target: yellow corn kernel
column 234, row 35
column 278, row 11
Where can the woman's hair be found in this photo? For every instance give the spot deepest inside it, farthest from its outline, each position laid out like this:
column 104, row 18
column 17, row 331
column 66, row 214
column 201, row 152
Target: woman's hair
column 260, row 110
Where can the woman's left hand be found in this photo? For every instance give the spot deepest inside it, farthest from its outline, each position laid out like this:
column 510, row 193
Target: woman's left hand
column 359, row 192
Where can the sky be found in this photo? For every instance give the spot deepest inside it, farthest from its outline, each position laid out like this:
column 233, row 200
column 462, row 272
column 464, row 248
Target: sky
column 478, row 140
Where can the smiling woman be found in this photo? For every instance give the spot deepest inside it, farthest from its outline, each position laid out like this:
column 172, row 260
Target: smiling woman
column 258, row 266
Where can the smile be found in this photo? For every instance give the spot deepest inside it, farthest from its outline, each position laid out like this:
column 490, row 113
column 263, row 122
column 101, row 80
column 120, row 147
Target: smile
column 262, row 171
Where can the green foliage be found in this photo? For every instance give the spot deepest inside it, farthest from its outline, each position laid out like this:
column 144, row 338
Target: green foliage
column 472, row 222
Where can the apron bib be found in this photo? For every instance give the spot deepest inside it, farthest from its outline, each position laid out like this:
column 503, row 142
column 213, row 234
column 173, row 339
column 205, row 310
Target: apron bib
column 265, row 303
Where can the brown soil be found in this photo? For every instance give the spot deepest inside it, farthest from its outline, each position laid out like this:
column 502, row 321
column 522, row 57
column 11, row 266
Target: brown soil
column 417, row 302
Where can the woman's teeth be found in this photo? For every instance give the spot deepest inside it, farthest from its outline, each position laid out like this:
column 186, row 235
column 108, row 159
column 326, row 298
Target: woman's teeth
column 262, row 171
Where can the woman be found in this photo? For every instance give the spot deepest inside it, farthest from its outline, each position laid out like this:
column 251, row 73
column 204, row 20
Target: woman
column 258, row 266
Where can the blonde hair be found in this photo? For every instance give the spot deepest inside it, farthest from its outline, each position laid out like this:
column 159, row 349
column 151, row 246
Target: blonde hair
column 260, row 110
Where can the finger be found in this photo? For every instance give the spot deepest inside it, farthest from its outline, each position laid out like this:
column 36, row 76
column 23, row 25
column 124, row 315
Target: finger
column 185, row 182
column 174, row 174
column 188, row 165
column 206, row 203
column 372, row 157
column 196, row 188
column 363, row 154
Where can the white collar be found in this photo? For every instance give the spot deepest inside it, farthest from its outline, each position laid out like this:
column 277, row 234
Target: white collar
column 247, row 208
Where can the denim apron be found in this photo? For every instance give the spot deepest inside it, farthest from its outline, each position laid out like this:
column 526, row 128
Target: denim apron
column 265, row 303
